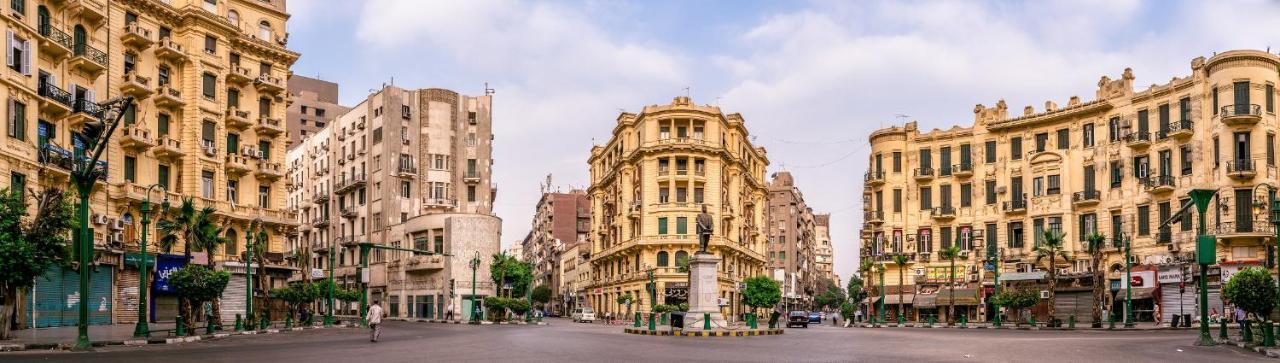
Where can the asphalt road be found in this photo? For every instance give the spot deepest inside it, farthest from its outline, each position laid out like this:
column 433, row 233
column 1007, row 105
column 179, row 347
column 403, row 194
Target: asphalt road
column 562, row 341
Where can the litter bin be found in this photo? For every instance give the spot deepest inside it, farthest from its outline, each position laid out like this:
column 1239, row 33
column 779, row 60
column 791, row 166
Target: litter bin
column 677, row 320
column 1186, row 320
column 1177, row 321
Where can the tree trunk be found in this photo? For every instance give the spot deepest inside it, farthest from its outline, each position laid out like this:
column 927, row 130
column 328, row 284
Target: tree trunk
column 1053, row 285
column 262, row 282
column 1098, row 287
column 951, row 298
column 184, row 308
column 215, row 306
column 6, row 312
column 902, row 279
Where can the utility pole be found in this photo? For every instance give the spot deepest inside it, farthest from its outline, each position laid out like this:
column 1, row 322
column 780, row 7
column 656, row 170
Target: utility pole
column 475, row 309
column 1128, row 286
column 142, row 330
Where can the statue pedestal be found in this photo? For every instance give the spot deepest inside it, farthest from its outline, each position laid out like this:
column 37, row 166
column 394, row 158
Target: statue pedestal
column 703, row 294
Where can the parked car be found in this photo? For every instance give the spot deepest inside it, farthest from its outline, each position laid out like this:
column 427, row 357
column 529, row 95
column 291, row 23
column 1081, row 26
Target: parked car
column 815, row 318
column 583, row 315
column 798, row 318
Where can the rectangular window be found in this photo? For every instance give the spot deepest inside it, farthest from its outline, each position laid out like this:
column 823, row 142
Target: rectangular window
column 1064, row 139
column 1143, row 124
column 1215, row 99
column 1037, row 231
column 17, row 120
column 1144, row 220
column 206, row 184
column 966, row 195
column 1117, row 174
column 944, row 158
column 1217, row 154
column 264, row 197
column 210, row 86
column 1241, row 98
column 131, row 169
column 1271, row 149
column 1088, row 225
column 991, row 192
column 944, row 234
column 682, row 225
column 966, row 157
column 1015, row 148
column 926, row 198
column 897, row 200
column 1087, row 135
column 993, row 240
column 18, row 185
column 210, row 44
column 1184, row 110
column 1055, row 185
column 404, row 189
column 897, row 161
column 1186, row 223
column 1015, row 235
column 1042, row 142
column 1271, row 97
column 20, row 6
column 1165, row 211
column 233, row 195
column 944, row 195
column 662, row 225
column 1242, row 150
column 1117, row 228
column 265, row 147
column 926, row 159
column 1113, row 129
column 991, row 152
column 1185, row 152
column 471, row 193
column 162, row 176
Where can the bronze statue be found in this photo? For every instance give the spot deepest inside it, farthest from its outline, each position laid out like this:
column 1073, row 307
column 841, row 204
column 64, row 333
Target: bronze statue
column 705, row 227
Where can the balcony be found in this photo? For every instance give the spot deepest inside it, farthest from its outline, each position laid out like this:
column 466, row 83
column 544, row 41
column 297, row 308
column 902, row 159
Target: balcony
column 83, row 111
column 136, row 36
column 168, row 148
column 62, row 162
column 407, row 170
column 320, row 222
column 136, row 138
column 471, row 177
column 1159, row 184
column 269, row 171
column 269, row 84
column 89, row 60
column 54, row 101
column 171, row 50
column 55, row 42
column 1241, row 169
column 874, row 178
column 873, row 216
column 1241, row 115
column 169, row 97
column 1236, row 229
column 236, row 165
column 1139, row 139
column 945, row 212
column 923, row 174
column 1086, row 198
column 424, row 263
column 439, row 203
column 1016, row 206
column 237, row 119
column 269, row 126
column 348, row 212
column 92, row 11
column 320, row 197
column 348, row 183
column 137, row 86
column 1179, row 130
column 962, row 170
column 238, row 75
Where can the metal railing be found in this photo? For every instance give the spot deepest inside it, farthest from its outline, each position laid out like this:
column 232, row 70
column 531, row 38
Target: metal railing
column 1138, row 136
column 1250, row 227
column 923, row 172
column 1241, row 110
column 1240, row 166
column 55, row 93
column 1086, row 196
column 91, row 53
column 944, row 211
column 1159, row 181
column 1175, row 127
column 1016, row 204
column 86, row 107
column 873, row 215
column 57, row 36
column 874, row 176
column 962, row 168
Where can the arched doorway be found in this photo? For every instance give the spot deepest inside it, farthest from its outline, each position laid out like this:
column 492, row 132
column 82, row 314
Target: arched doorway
column 42, row 20
column 80, row 38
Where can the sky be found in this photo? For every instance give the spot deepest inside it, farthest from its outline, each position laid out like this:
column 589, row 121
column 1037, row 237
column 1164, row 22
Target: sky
column 812, row 79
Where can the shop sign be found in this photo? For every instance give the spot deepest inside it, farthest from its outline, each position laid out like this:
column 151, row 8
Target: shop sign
column 1140, row 279
column 166, row 265
column 134, row 259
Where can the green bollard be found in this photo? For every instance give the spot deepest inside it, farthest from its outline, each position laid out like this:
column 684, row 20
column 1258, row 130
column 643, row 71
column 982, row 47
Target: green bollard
column 239, row 323
column 288, row 322
column 1033, row 320
column 208, row 324
column 664, row 318
column 1246, row 332
column 964, row 321
column 636, row 323
column 902, row 320
column 266, row 323
column 1071, row 321
column 932, row 319
column 755, row 321
column 1111, row 322
column 179, row 329
column 706, row 321
column 1268, row 336
column 1222, row 329
column 653, row 324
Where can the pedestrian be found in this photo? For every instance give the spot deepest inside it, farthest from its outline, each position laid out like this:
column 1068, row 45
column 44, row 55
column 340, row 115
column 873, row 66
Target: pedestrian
column 375, row 321
column 449, row 313
column 1155, row 312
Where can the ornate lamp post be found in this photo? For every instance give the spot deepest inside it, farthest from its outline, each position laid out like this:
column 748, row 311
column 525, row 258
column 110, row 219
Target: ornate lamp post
column 1206, row 251
column 84, row 174
column 142, row 330
column 995, row 262
column 1128, row 276
column 333, row 251
column 248, row 267
column 880, row 315
column 653, row 298
column 475, row 309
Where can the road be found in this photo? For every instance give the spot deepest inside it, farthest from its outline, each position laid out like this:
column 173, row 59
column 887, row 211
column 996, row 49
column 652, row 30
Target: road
column 562, row 341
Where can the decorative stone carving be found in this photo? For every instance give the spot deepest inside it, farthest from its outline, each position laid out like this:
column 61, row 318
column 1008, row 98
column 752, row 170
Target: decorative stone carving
column 984, row 115
column 1074, row 101
column 1050, row 106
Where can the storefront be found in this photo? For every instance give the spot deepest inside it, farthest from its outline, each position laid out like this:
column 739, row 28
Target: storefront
column 164, row 298
column 55, row 298
column 1143, row 292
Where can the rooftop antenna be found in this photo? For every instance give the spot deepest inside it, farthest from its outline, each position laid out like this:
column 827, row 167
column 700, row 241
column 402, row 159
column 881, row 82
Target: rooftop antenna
column 488, row 91
column 717, row 101
column 686, row 92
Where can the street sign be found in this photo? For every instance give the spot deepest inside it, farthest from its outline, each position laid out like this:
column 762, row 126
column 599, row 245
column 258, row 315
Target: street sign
column 989, row 266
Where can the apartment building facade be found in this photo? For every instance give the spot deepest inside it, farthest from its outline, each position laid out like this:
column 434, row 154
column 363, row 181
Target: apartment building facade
column 188, row 64
column 1120, row 165
column 823, row 251
column 407, row 169
column 315, row 105
column 650, row 181
column 561, row 221
column 792, row 241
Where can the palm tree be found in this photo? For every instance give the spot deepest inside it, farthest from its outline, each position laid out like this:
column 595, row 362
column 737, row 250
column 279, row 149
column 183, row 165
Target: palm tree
column 865, row 269
column 196, row 230
column 258, row 233
column 1095, row 242
column 1051, row 247
column 950, row 253
column 902, row 261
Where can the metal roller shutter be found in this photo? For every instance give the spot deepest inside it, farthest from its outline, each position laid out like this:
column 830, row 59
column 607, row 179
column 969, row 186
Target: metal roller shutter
column 1078, row 303
column 57, row 297
column 127, row 297
column 100, row 295
column 1172, row 302
column 232, row 302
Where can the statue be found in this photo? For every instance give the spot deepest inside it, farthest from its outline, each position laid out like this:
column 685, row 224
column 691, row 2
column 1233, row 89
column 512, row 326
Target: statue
column 705, row 227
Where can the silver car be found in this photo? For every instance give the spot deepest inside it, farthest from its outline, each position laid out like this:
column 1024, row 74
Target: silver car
column 583, row 315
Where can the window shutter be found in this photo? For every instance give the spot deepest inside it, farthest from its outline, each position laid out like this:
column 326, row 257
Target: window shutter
column 26, row 57
column 88, row 96
column 71, row 88
column 8, row 48
column 13, row 119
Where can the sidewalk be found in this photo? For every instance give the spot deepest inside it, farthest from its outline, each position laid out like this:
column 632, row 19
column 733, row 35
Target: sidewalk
column 67, row 335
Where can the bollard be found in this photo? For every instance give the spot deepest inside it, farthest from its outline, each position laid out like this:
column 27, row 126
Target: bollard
column 636, row 323
column 1246, row 334
column 288, row 322
column 706, row 321
column 932, row 319
column 1111, row 321
column 179, row 328
column 964, row 321
column 1033, row 321
column 239, row 323
column 1222, row 329
column 265, row 322
column 1268, row 336
column 1071, row 321
column 653, row 324
column 208, row 324
column 664, row 318
column 902, row 320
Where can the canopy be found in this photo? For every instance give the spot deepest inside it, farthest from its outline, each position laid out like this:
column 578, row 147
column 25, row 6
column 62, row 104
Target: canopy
column 891, row 299
column 943, row 298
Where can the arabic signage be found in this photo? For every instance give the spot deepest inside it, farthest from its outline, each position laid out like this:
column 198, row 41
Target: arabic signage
column 165, row 266
column 1141, row 279
column 134, row 259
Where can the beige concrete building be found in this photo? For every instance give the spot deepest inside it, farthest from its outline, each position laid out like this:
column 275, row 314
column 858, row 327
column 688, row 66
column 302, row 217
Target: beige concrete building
column 560, row 222
column 574, row 276
column 792, row 241
column 315, row 105
column 822, row 251
column 648, row 183
column 1118, row 164
column 189, row 64
column 410, row 169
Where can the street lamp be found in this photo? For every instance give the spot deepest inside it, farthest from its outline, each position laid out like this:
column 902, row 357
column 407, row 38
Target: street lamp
column 475, row 309
column 249, row 236
column 142, row 330
column 653, row 298
column 995, row 267
column 880, row 315
column 333, row 251
column 1128, row 275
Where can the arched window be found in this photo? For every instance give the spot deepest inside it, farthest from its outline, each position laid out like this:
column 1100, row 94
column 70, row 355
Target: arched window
column 231, row 243
column 681, row 256
column 264, row 30
column 663, row 259
column 80, row 38
column 42, row 20
column 233, row 17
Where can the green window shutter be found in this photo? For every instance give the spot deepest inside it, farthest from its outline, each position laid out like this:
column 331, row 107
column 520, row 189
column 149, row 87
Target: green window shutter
column 662, row 225
column 682, row 225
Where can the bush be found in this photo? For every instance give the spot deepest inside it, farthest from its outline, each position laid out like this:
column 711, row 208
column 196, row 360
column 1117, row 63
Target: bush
column 682, row 307
column 1253, row 290
column 198, row 283
column 848, row 310
column 761, row 292
column 518, row 306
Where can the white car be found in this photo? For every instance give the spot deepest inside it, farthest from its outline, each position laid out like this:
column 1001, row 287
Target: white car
column 583, row 314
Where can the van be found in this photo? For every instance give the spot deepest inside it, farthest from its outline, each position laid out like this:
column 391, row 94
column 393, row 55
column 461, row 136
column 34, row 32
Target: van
column 583, row 314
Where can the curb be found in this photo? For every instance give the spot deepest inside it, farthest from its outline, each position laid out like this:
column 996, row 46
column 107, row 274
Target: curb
column 719, row 333
column 142, row 342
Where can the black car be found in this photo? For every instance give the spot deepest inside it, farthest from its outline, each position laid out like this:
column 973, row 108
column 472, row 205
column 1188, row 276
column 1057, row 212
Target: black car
column 798, row 318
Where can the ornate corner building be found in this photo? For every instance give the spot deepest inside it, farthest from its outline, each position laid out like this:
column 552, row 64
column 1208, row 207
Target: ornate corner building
column 1120, row 164
column 648, row 184
column 208, row 79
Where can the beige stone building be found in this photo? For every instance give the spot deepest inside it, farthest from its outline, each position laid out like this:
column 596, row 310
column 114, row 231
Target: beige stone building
column 822, row 251
column 575, row 276
column 1118, row 164
column 409, row 169
column 648, row 183
column 315, row 105
column 792, row 241
column 190, row 65
column 561, row 221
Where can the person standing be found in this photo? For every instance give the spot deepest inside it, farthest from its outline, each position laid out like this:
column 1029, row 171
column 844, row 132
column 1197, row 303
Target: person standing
column 375, row 321
column 449, row 313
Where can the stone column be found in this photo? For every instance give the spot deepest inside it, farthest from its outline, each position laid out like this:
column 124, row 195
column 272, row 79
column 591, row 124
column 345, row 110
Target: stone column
column 703, row 284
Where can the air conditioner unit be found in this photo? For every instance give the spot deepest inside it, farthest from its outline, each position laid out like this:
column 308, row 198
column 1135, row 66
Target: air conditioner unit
column 246, row 150
column 964, row 254
column 1063, row 271
column 920, row 272
column 117, row 224
column 210, row 150
column 1044, row 294
column 117, row 237
column 1001, row 189
column 257, row 153
column 100, row 219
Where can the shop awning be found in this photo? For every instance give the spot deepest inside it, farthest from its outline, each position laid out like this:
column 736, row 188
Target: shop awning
column 929, row 301
column 1022, row 276
column 892, row 299
column 1139, row 293
column 963, row 297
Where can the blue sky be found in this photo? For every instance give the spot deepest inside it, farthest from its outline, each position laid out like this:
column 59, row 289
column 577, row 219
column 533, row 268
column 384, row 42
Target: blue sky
column 812, row 79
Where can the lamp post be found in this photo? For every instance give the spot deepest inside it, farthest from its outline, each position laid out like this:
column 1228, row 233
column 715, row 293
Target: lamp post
column 475, row 309
column 1206, row 246
column 1128, row 286
column 653, row 298
column 248, row 269
column 880, row 314
column 142, row 330
column 96, row 135
column 995, row 262
column 333, row 251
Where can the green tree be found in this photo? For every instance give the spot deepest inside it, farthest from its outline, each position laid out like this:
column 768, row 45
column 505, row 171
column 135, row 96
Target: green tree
column 1016, row 299
column 1095, row 242
column 830, row 295
column 257, row 234
column 865, row 268
column 855, row 291
column 197, row 284
column 28, row 248
column 508, row 270
column 902, row 261
column 1252, row 290
column 196, row 230
column 1051, row 247
column 626, row 300
column 761, row 292
column 950, row 254
column 541, row 295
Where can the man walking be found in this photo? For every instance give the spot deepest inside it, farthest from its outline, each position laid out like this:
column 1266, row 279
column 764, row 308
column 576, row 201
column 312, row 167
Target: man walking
column 375, row 321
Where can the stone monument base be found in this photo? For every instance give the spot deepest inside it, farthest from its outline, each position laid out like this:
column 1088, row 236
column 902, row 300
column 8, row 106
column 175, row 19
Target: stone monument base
column 703, row 296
